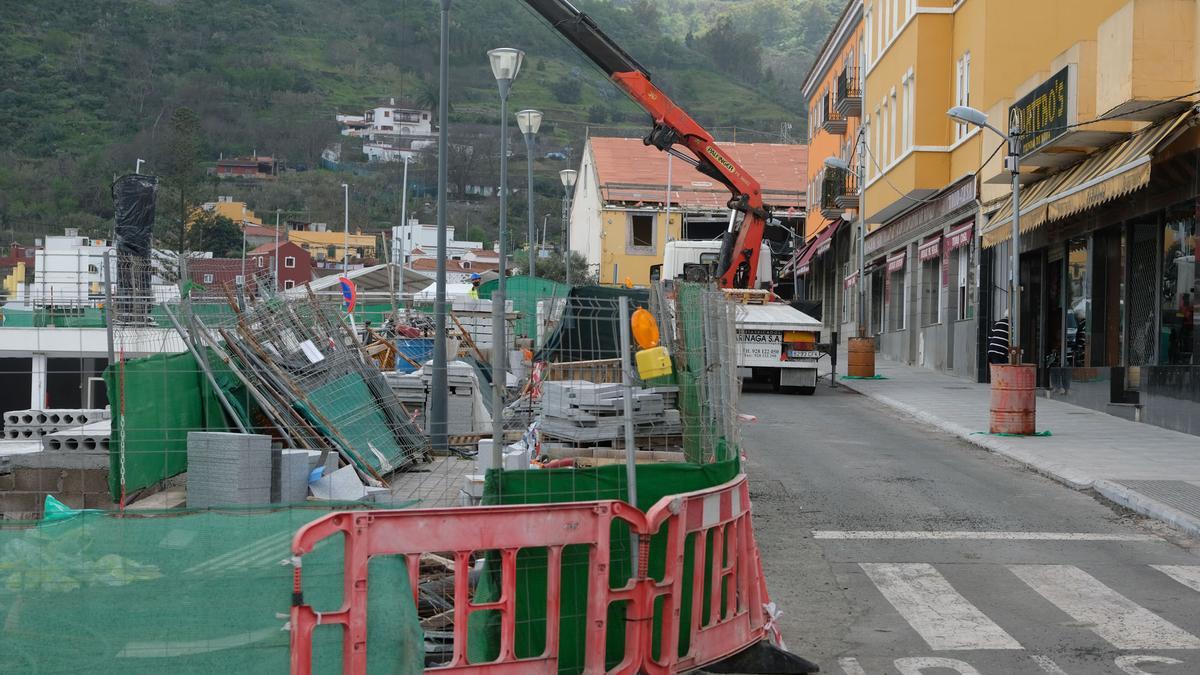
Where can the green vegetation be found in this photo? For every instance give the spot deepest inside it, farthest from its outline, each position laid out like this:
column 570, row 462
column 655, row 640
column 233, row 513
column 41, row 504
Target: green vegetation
column 88, row 88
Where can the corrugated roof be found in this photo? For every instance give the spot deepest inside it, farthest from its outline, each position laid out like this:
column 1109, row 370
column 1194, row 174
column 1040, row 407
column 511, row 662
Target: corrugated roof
column 630, row 172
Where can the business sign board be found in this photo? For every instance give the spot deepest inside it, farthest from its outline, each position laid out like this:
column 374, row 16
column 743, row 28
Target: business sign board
column 1044, row 113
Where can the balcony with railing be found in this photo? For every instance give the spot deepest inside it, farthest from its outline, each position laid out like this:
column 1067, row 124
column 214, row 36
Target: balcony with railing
column 839, row 191
column 832, row 121
column 849, row 93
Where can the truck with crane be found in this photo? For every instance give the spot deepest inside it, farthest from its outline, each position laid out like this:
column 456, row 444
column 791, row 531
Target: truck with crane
column 776, row 342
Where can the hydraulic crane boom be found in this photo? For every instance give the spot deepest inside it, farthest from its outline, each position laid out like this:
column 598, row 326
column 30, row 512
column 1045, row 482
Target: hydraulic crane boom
column 673, row 126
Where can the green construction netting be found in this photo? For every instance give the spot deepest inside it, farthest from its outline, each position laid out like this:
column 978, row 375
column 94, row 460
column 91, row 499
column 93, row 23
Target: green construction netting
column 361, row 424
column 191, row 593
column 654, row 481
column 589, row 328
column 525, row 293
column 156, row 401
column 693, row 406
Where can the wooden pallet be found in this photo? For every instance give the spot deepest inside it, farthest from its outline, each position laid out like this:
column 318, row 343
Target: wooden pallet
column 746, row 296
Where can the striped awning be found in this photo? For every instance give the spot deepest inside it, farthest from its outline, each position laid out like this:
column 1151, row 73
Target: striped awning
column 1111, row 173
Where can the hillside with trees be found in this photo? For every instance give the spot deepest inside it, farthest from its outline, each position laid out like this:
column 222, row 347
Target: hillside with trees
column 88, row 88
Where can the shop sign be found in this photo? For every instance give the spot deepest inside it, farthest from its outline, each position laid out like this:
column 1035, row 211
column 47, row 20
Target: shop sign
column 802, row 270
column 850, row 281
column 960, row 236
column 895, row 262
column 1044, row 113
column 930, row 249
column 954, row 198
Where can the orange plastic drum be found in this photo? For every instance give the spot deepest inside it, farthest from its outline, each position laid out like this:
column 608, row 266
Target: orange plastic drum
column 1014, row 407
column 862, row 357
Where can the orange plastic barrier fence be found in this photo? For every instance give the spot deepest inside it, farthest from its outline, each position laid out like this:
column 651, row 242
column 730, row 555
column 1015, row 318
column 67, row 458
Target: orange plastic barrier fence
column 715, row 522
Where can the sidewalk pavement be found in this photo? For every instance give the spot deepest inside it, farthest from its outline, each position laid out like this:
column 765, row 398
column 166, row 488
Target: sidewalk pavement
column 1148, row 469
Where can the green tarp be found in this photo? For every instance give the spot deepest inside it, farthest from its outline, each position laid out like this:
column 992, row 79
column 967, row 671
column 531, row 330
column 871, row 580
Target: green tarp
column 590, row 326
column 184, row 593
column 654, row 481
column 155, row 402
column 524, row 293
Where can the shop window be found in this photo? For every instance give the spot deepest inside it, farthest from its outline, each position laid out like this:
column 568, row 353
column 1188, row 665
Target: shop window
column 960, row 264
column 897, row 298
column 931, row 289
column 877, row 284
column 1078, row 303
column 641, row 233
column 1179, row 289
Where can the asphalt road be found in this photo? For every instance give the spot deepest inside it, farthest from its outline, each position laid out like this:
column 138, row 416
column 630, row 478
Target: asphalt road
column 1028, row 576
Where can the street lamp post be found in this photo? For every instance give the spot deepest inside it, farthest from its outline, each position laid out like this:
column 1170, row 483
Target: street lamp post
column 438, row 392
column 529, row 122
column 506, row 63
column 568, row 177
column 346, row 226
column 1014, row 403
column 1012, row 164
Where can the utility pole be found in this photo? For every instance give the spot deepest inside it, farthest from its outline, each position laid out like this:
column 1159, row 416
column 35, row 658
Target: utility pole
column 438, row 396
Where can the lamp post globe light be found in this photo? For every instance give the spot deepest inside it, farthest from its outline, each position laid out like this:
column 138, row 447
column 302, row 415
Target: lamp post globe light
column 506, row 63
column 568, row 177
column 1013, row 400
column 529, row 121
column 973, row 117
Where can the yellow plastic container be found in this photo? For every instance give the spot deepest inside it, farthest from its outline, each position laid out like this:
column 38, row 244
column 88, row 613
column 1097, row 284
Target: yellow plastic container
column 654, row 362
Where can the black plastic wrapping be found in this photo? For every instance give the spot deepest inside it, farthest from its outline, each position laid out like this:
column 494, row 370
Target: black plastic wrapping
column 134, row 197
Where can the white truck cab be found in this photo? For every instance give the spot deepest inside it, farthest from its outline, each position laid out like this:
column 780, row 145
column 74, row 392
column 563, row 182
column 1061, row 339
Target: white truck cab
column 777, row 343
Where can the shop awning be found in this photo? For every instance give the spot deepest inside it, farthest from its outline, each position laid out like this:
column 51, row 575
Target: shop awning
column 1111, row 173
column 816, row 247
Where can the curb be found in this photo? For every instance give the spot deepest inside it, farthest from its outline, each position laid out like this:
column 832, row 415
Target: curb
column 1069, row 477
column 1136, row 501
column 1109, row 490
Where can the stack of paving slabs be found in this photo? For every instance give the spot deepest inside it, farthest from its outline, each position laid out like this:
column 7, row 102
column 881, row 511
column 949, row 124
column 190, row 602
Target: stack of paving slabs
column 583, row 412
column 228, row 469
column 461, row 399
column 412, row 392
column 294, row 469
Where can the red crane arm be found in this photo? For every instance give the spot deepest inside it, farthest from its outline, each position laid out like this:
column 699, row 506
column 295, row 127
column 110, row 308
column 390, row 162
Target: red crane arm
column 672, row 126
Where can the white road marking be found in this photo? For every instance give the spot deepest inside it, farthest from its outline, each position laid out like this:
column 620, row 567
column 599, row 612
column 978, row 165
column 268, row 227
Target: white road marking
column 850, row 666
column 1047, row 665
column 943, row 617
column 916, row 665
column 1112, row 616
column 1010, row 536
column 1129, row 663
column 1188, row 575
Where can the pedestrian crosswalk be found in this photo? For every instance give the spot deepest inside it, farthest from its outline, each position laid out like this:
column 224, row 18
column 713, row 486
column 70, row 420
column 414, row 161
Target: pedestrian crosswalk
column 947, row 618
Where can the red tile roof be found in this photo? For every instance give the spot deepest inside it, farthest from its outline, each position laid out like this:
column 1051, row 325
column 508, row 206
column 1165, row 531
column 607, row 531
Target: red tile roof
column 631, row 172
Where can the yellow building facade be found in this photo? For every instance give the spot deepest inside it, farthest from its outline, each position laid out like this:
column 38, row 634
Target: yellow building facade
column 936, row 190
column 330, row 246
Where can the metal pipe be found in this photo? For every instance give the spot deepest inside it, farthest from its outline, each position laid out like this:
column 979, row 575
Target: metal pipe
column 108, row 303
column 499, row 343
column 630, row 447
column 403, row 224
column 438, row 395
column 532, row 226
column 1014, row 296
column 203, row 363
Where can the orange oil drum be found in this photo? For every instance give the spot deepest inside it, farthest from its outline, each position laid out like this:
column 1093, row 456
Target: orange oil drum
column 862, row 357
column 1014, row 400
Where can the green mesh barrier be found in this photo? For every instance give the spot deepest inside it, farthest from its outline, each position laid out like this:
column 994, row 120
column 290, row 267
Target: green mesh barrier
column 155, row 402
column 184, row 593
column 525, row 293
column 654, row 481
